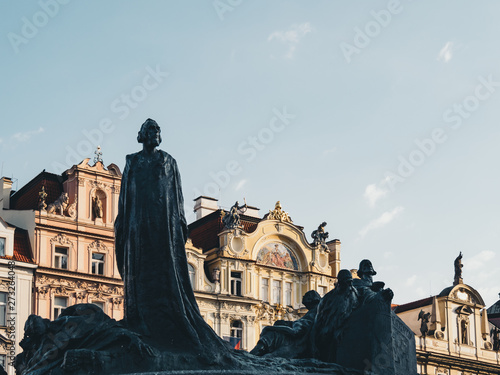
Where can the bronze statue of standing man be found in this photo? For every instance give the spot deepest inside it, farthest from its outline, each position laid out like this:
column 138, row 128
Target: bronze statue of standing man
column 151, row 232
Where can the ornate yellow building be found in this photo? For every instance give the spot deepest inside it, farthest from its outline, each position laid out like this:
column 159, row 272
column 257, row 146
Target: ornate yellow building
column 249, row 276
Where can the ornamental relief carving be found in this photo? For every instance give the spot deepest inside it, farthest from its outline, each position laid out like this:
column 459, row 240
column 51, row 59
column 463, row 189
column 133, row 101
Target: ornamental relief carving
column 65, row 287
column 237, row 244
column 223, row 317
column 61, row 239
column 99, row 185
column 43, row 292
column 98, row 246
column 206, row 305
column 5, row 284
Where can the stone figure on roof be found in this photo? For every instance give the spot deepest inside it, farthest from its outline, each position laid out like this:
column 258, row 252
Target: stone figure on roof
column 425, row 318
column 458, row 270
column 42, row 195
column 279, row 214
column 232, row 220
column 319, row 236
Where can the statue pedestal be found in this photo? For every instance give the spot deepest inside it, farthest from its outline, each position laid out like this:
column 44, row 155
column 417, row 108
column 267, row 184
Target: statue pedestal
column 376, row 340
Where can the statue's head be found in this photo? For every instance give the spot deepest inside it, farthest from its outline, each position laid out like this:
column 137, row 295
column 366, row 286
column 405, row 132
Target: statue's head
column 311, row 299
column 323, row 224
column 366, row 268
column 344, row 278
column 149, row 133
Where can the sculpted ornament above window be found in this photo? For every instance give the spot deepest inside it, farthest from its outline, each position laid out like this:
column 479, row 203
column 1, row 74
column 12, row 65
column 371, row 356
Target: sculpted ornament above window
column 279, row 214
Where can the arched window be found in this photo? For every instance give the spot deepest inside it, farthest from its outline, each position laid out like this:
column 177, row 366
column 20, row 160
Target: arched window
column 192, row 275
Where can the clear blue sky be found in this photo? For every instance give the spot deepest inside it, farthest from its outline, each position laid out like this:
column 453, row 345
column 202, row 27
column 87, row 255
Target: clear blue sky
column 379, row 117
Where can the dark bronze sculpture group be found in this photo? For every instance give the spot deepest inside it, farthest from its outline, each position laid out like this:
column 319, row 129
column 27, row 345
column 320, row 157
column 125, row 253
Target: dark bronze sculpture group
column 351, row 330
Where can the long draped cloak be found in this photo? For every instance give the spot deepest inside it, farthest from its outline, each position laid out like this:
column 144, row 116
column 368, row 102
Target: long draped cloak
column 151, row 232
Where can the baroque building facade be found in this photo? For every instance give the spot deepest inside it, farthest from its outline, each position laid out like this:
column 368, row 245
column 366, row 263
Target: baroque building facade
column 69, row 219
column 452, row 332
column 254, row 273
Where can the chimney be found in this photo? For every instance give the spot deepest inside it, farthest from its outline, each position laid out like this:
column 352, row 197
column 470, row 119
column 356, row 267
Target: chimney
column 252, row 211
column 6, row 188
column 204, row 206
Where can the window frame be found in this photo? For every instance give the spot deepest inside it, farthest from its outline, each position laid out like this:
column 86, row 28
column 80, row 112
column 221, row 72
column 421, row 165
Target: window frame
column 58, row 257
column 3, row 247
column 57, row 309
column 3, row 309
column 99, row 263
column 276, row 292
column 264, row 289
column 288, row 295
column 236, row 283
column 192, row 275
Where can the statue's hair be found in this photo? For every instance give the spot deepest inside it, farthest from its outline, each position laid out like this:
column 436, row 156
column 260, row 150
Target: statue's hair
column 344, row 275
column 311, row 297
column 141, row 136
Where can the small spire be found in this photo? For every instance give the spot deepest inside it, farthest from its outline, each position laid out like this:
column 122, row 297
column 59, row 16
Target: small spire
column 98, row 154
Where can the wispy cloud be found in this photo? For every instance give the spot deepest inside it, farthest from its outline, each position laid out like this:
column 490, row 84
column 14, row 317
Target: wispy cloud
column 480, row 260
column 446, row 53
column 381, row 221
column 373, row 193
column 329, row 151
column 291, row 37
column 240, row 184
column 411, row 280
column 25, row 136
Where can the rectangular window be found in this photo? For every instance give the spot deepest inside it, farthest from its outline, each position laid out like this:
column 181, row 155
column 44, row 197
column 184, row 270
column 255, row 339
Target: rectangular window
column 264, row 290
column 3, row 309
column 3, row 358
column 192, row 275
column 98, row 264
column 60, row 303
column 288, row 294
column 276, row 291
column 2, row 246
column 321, row 290
column 236, row 283
column 61, row 258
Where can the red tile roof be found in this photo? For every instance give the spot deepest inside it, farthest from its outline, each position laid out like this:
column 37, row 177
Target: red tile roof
column 22, row 248
column 26, row 198
column 204, row 232
column 413, row 305
column 495, row 321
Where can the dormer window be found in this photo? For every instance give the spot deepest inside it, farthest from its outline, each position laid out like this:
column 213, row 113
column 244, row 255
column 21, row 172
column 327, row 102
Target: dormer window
column 61, row 257
column 2, row 246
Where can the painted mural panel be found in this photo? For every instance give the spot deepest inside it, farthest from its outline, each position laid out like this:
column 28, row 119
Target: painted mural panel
column 276, row 254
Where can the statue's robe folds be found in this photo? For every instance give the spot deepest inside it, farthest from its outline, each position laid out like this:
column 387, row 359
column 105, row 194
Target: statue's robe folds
column 151, row 232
